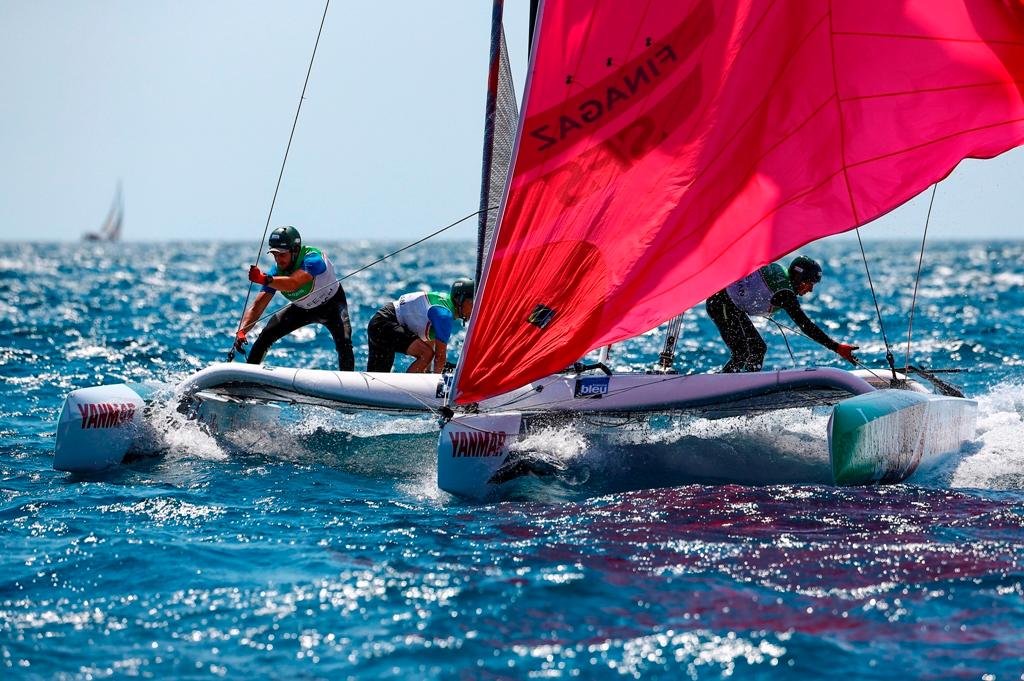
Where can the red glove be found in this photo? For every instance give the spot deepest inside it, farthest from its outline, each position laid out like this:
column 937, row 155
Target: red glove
column 257, row 277
column 240, row 340
column 846, row 352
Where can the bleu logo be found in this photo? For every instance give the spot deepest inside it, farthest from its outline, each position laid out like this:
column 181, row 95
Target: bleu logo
column 592, row 386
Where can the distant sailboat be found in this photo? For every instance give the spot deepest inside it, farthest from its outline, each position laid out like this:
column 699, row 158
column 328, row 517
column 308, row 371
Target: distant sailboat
column 111, row 229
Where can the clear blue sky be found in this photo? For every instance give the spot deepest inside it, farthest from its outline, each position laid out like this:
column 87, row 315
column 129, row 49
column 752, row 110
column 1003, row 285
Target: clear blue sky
column 190, row 104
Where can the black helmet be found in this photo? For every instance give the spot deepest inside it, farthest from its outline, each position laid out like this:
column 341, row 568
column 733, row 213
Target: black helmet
column 803, row 269
column 285, row 239
column 462, row 289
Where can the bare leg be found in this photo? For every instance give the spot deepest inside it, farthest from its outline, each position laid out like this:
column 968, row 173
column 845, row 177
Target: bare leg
column 423, row 354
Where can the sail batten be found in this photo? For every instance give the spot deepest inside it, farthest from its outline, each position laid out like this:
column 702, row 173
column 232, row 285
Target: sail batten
column 725, row 135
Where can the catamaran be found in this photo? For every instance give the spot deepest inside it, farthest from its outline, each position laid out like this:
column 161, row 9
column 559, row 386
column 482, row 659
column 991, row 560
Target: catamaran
column 665, row 150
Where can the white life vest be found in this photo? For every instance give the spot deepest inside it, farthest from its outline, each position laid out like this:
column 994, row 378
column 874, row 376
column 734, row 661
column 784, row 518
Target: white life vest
column 411, row 309
column 321, row 289
column 753, row 293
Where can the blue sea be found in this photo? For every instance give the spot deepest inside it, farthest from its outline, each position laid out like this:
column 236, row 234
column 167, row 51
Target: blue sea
column 322, row 548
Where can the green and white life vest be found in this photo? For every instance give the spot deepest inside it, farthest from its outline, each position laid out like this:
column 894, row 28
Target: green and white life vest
column 753, row 293
column 322, row 287
column 411, row 310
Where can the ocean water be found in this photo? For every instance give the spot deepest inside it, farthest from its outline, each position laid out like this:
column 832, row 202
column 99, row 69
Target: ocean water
column 322, row 548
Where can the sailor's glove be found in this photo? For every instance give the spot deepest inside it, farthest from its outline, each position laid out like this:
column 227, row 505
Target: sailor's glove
column 257, row 277
column 846, row 352
column 240, row 341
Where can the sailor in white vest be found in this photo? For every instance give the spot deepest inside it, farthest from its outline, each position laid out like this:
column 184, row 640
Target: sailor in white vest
column 306, row 277
column 763, row 293
column 419, row 325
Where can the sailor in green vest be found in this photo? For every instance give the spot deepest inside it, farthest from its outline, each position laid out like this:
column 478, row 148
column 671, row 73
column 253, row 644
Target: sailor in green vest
column 305, row 275
column 420, row 325
column 763, row 293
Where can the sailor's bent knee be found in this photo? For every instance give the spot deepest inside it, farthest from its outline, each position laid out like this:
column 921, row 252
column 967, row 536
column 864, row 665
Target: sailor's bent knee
column 421, row 350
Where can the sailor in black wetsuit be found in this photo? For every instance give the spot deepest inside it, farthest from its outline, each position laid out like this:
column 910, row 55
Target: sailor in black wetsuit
column 763, row 293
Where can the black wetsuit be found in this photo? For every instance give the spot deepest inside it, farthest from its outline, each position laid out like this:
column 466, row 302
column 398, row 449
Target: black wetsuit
column 386, row 336
column 333, row 314
column 745, row 343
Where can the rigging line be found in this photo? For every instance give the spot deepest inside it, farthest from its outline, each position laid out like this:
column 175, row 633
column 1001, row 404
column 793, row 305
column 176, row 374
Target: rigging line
column 409, row 393
column 784, row 339
column 381, row 259
column 856, row 361
column 917, row 279
column 284, row 161
column 417, row 243
column 554, row 378
column 885, row 339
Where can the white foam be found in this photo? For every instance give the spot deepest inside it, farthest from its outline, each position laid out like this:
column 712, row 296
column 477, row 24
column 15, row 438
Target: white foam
column 786, row 446
column 177, row 436
column 366, row 424
column 998, row 462
column 559, row 446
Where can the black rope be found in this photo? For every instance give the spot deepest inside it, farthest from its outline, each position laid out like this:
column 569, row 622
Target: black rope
column 417, row 243
column 280, row 175
column 917, row 280
column 792, row 358
column 888, row 349
column 385, row 257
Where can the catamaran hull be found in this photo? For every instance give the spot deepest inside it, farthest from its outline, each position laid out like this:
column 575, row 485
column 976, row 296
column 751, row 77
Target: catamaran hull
column 472, row 449
column 97, row 427
column 887, row 435
column 880, row 437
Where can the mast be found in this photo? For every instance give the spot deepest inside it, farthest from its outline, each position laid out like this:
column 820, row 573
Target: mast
column 501, row 118
column 534, row 6
column 511, row 115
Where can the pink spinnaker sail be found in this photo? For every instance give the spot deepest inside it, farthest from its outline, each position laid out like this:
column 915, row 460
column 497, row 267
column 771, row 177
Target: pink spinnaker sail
column 670, row 147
